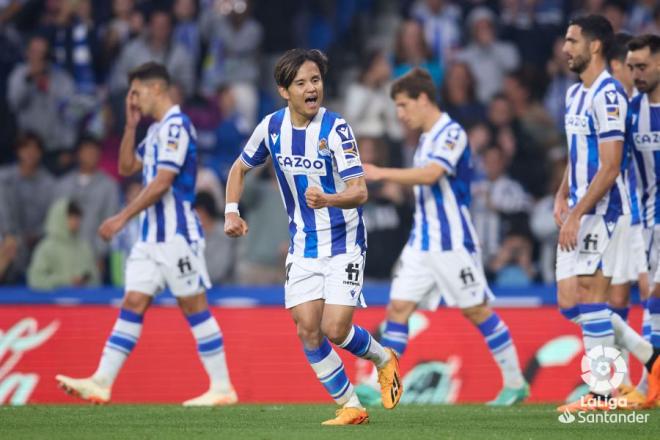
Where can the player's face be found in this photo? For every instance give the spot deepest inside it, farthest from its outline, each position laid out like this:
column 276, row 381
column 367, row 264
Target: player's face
column 305, row 93
column 143, row 95
column 409, row 110
column 645, row 69
column 622, row 74
column 577, row 49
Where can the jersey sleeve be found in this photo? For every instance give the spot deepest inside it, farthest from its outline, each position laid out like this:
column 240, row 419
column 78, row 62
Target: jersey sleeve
column 139, row 151
column 255, row 151
column 173, row 142
column 345, row 151
column 448, row 149
column 610, row 110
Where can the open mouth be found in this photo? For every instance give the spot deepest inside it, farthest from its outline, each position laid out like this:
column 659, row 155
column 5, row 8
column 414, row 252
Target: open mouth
column 311, row 100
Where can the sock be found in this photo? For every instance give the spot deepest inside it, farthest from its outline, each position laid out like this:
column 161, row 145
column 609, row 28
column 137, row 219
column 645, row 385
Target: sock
column 211, row 349
column 597, row 328
column 628, row 339
column 501, row 346
column 646, row 321
column 571, row 313
column 361, row 344
column 395, row 337
column 119, row 345
column 621, row 311
column 653, row 307
column 329, row 369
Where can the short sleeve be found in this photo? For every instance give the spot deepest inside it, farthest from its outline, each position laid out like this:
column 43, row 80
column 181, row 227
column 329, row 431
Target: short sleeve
column 448, row 148
column 139, row 151
column 345, row 151
column 173, row 142
column 255, row 151
column 610, row 108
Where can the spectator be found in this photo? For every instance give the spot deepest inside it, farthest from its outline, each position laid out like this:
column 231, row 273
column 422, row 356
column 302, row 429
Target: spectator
column 616, row 13
column 155, row 45
column 458, row 96
column 39, row 94
column 29, row 193
column 411, row 51
column 440, row 22
column 219, row 250
column 489, row 58
column 122, row 243
column 94, row 191
column 368, row 105
column 63, row 258
column 561, row 78
column 233, row 38
column 186, row 31
column 126, row 23
column 499, row 203
column 512, row 266
column 640, row 19
column 8, row 241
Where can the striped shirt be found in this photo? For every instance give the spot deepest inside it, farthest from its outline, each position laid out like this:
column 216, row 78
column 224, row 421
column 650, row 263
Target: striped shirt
column 170, row 144
column 442, row 219
column 325, row 155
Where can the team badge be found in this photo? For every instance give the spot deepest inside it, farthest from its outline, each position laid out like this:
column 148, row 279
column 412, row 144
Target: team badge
column 323, row 148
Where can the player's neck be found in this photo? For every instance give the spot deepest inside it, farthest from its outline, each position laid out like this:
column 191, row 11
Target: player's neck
column 162, row 108
column 654, row 96
column 298, row 120
column 433, row 117
column 592, row 72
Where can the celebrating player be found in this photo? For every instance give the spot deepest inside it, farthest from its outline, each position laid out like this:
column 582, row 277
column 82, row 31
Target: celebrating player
column 442, row 257
column 321, row 181
column 171, row 247
column 592, row 207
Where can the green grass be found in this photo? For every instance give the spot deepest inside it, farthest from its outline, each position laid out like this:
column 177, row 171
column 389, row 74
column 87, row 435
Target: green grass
column 303, row 422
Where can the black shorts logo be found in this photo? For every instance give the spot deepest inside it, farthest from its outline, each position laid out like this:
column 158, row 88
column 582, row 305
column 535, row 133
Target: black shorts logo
column 353, row 274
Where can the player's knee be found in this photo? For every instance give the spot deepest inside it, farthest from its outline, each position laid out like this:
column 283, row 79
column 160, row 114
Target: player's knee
column 311, row 336
column 336, row 331
column 399, row 311
column 136, row 302
column 477, row 314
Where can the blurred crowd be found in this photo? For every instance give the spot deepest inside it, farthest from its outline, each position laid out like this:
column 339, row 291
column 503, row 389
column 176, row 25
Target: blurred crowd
column 63, row 65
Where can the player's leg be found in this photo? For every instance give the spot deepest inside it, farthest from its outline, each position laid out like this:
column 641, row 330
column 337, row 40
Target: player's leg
column 653, row 305
column 619, row 304
column 210, row 347
column 395, row 334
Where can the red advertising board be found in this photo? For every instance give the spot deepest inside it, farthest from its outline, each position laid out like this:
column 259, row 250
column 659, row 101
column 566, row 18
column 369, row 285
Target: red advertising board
column 446, row 361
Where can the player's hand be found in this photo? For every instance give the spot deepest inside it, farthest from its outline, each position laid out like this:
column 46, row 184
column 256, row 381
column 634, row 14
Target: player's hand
column 235, row 226
column 316, row 198
column 560, row 211
column 372, row 173
column 133, row 114
column 111, row 226
column 569, row 232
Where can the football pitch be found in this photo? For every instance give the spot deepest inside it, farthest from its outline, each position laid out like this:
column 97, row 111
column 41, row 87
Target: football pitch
column 303, row 422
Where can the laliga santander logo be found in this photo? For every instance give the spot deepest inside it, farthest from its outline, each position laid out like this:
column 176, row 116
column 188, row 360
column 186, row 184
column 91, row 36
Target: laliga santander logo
column 603, row 369
column 22, row 337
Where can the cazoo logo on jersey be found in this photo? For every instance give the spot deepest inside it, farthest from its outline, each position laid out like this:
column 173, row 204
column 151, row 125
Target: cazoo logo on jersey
column 647, row 141
column 301, row 165
column 577, row 124
column 15, row 387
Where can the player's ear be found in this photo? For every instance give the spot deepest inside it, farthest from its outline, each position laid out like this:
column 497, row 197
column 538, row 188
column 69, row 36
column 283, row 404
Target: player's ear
column 284, row 93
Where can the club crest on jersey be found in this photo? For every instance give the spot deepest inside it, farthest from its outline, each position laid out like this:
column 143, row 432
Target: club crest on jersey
column 344, row 132
column 295, row 164
column 323, row 148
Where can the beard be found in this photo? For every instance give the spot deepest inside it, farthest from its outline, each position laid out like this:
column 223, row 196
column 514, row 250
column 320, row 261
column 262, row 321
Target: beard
column 580, row 63
column 647, row 87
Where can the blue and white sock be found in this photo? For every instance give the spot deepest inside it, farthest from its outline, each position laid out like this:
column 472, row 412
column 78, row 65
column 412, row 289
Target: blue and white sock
column 571, row 313
column 653, row 306
column 620, row 314
column 497, row 336
column 211, row 349
column 646, row 320
column 623, row 312
column 119, row 345
column 329, row 369
column 596, row 324
column 362, row 344
column 395, row 336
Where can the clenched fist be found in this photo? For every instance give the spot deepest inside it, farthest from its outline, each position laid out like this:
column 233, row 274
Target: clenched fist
column 235, row 226
column 316, row 198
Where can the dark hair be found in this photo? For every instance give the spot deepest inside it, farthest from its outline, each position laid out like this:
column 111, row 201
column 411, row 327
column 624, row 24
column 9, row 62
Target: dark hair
column 647, row 40
column 619, row 48
column 471, row 83
column 204, row 200
column 414, row 83
column 29, row 138
column 596, row 27
column 73, row 208
column 149, row 70
column 289, row 63
column 87, row 139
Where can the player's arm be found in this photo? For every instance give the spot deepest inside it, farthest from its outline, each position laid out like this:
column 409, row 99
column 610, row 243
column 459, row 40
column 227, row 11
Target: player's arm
column 149, row 195
column 235, row 226
column 561, row 200
column 129, row 163
column 353, row 196
column 426, row 175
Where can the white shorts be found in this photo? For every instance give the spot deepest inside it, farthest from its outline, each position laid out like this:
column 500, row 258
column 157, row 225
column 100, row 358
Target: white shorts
column 423, row 277
column 636, row 262
column 599, row 246
column 337, row 279
column 175, row 264
column 652, row 246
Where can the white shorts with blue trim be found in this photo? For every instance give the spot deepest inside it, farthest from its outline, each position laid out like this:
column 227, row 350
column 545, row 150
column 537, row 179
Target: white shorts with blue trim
column 424, row 277
column 336, row 279
column 600, row 245
column 636, row 262
column 176, row 264
column 652, row 247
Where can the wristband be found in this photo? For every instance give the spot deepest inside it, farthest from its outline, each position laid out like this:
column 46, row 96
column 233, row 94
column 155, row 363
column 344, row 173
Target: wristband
column 231, row 207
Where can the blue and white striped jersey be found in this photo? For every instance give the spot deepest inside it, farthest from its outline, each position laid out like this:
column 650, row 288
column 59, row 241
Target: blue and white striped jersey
column 442, row 218
column 644, row 138
column 325, row 155
column 170, row 144
column 595, row 115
